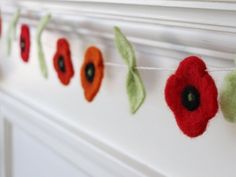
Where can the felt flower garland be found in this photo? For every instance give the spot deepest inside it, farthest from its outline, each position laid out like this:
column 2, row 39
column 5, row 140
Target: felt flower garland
column 41, row 57
column 192, row 95
column 62, row 62
column 228, row 97
column 12, row 30
column 190, row 92
column 92, row 72
column 25, row 42
column 135, row 88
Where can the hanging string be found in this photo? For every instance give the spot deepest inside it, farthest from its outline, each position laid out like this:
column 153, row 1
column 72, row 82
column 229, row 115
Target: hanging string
column 148, row 68
column 220, row 69
column 139, row 67
column 211, row 69
column 111, row 64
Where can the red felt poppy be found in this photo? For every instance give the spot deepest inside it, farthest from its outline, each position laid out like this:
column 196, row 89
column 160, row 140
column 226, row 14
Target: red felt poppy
column 91, row 73
column 62, row 61
column 25, row 42
column 192, row 95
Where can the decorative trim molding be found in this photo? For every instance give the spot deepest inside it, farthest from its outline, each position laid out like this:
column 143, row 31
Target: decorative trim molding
column 217, row 4
column 172, row 28
column 5, row 147
column 165, row 28
column 73, row 144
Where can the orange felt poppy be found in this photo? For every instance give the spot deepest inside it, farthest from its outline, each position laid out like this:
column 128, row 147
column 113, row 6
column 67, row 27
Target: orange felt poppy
column 92, row 72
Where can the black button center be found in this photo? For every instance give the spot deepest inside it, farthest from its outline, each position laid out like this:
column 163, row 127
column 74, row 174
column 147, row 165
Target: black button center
column 190, row 98
column 61, row 64
column 22, row 44
column 90, row 72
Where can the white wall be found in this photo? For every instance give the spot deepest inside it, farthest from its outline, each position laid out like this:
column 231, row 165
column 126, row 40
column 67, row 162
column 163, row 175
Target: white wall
column 102, row 138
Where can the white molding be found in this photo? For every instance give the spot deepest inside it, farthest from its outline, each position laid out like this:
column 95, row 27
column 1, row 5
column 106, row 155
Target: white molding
column 70, row 142
column 217, row 4
column 5, row 147
column 173, row 29
column 166, row 28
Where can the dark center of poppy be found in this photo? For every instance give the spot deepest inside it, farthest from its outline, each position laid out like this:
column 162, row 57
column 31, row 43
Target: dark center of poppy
column 90, row 72
column 22, row 44
column 190, row 98
column 61, row 64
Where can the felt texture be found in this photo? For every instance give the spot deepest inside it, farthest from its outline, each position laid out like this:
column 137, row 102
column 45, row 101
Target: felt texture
column 228, row 97
column 192, row 75
column 11, row 34
column 135, row 87
column 91, row 82
column 62, row 61
column 24, row 42
column 41, row 57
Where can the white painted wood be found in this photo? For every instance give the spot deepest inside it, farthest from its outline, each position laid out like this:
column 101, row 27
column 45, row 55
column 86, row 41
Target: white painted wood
column 170, row 30
column 87, row 157
column 208, row 4
column 1, row 147
column 31, row 157
column 5, row 148
column 102, row 139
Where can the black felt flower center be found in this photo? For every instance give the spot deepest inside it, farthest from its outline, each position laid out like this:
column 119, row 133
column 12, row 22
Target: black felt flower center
column 190, row 98
column 61, row 64
column 22, row 44
column 90, row 72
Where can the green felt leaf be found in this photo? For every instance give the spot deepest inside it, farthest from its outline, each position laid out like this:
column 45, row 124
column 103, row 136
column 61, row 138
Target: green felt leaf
column 135, row 90
column 134, row 85
column 125, row 48
column 11, row 34
column 41, row 57
column 228, row 97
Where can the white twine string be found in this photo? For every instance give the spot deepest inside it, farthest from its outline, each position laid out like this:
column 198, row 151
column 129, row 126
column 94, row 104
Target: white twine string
column 220, row 69
column 148, row 68
column 139, row 67
column 210, row 69
column 215, row 69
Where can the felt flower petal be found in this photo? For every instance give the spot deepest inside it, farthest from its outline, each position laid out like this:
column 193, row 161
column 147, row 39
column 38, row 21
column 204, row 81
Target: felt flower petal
column 191, row 94
column 125, row 48
column 135, row 90
column 228, row 97
column 41, row 26
column 62, row 61
column 25, row 42
column 92, row 72
column 12, row 31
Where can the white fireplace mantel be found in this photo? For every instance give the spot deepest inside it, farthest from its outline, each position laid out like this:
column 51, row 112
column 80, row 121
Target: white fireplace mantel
column 49, row 130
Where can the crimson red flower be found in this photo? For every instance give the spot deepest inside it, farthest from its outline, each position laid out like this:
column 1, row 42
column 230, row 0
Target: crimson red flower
column 192, row 95
column 62, row 61
column 25, row 42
